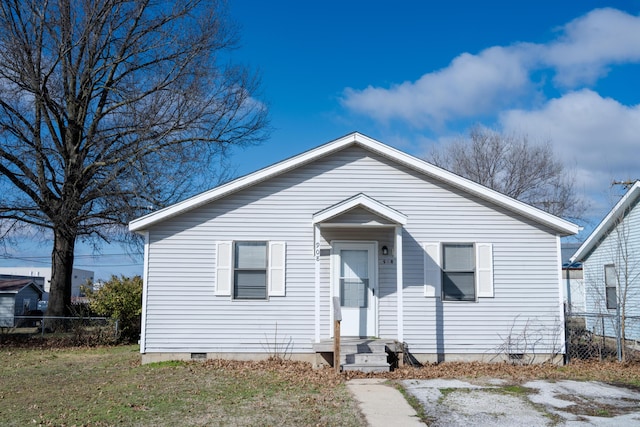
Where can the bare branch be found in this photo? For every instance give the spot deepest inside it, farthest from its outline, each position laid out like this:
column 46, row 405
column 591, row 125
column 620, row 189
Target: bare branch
column 515, row 167
column 104, row 105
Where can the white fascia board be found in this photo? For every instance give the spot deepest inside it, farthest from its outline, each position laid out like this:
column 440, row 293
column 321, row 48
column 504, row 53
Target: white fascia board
column 360, row 200
column 559, row 224
column 244, row 181
column 607, row 223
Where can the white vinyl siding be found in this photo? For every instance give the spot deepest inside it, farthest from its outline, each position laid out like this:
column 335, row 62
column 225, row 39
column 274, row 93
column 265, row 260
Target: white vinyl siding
column 185, row 313
column 621, row 248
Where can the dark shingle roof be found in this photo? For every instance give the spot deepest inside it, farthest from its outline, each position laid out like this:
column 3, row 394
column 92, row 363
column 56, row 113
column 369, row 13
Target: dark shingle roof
column 14, row 285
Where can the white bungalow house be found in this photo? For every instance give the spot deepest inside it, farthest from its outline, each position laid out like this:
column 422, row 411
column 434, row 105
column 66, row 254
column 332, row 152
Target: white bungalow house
column 610, row 258
column 413, row 254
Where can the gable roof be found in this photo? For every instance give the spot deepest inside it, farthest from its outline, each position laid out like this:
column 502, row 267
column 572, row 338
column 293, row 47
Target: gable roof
column 606, row 225
column 13, row 286
column 560, row 225
column 364, row 201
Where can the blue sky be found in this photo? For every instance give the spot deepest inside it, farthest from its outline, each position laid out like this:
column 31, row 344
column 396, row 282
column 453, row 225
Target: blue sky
column 414, row 74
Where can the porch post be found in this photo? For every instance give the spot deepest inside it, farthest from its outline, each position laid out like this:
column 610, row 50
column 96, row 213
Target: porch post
column 316, row 260
column 399, row 282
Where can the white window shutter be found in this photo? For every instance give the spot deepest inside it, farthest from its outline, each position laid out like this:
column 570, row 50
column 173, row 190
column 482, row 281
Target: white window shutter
column 224, row 270
column 484, row 270
column 432, row 273
column 277, row 255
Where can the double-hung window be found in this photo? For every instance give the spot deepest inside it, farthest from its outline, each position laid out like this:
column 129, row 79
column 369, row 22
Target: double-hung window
column 610, row 283
column 250, row 270
column 458, row 272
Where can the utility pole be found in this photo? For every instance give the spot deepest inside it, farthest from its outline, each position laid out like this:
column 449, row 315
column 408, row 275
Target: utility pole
column 625, row 184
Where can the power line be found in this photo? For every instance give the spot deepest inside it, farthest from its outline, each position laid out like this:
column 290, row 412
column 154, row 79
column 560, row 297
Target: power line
column 79, row 256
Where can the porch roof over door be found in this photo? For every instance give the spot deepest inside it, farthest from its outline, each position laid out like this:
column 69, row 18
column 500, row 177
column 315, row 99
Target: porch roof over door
column 359, row 210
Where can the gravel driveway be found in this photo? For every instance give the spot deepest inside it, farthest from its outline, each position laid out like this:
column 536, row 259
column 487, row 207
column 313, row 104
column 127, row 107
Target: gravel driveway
column 535, row 403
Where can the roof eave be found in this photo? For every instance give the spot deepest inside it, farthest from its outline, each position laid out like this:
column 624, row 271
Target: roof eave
column 201, row 199
column 561, row 226
column 605, row 225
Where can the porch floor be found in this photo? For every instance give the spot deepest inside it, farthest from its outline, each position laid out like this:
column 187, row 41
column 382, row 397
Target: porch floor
column 326, row 345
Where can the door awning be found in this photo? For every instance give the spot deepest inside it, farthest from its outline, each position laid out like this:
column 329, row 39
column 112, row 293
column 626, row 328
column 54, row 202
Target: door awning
column 359, row 210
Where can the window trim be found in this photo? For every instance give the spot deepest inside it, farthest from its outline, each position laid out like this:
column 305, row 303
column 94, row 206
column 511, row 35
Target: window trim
column 484, row 269
column 473, row 272
column 225, row 269
column 236, row 269
column 608, row 286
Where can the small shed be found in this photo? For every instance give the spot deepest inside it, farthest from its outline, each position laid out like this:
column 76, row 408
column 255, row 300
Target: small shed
column 17, row 298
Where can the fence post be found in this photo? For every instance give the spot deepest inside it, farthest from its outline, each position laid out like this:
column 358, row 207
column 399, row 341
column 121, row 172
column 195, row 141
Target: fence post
column 618, row 333
column 117, row 320
column 567, row 337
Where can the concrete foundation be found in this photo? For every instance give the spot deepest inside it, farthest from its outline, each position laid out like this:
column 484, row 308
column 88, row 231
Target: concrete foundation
column 162, row 357
column 323, row 358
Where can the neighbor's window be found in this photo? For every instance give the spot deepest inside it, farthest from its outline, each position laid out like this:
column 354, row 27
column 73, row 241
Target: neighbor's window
column 250, row 270
column 610, row 283
column 458, row 272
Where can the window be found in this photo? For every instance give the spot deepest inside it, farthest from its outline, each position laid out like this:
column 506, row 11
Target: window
column 250, row 270
column 610, row 283
column 458, row 272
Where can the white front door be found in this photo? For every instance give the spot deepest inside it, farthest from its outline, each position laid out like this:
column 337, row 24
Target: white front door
column 354, row 282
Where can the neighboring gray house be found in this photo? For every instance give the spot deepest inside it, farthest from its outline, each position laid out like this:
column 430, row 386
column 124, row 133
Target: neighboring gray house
column 17, row 297
column 611, row 263
column 413, row 253
column 80, row 277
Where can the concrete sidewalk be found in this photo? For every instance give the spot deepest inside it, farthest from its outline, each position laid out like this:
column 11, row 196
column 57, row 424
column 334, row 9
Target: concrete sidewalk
column 383, row 405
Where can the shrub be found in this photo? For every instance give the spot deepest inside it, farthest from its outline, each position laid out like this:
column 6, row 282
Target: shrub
column 121, row 299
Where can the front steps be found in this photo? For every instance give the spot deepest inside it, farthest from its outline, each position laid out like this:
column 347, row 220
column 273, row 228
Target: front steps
column 359, row 354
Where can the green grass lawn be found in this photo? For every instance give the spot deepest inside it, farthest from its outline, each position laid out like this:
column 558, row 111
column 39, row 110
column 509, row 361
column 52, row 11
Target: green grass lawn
column 108, row 386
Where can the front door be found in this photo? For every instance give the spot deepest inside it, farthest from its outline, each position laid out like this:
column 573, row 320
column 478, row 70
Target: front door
column 354, row 282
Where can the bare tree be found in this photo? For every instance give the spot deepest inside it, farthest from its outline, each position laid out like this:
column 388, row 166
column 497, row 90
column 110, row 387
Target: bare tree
column 108, row 107
column 511, row 165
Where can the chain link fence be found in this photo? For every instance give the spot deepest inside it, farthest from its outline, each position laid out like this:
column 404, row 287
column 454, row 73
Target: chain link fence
column 75, row 330
column 593, row 336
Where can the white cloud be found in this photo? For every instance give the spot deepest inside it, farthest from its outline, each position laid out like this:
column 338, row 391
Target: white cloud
column 498, row 77
column 591, row 43
column 469, row 86
column 598, row 134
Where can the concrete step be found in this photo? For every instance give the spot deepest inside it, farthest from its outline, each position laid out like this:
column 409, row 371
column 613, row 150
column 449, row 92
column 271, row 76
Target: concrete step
column 366, row 367
column 363, row 358
column 366, row 347
column 360, row 354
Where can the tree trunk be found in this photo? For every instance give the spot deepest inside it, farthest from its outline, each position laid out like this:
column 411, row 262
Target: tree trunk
column 61, row 273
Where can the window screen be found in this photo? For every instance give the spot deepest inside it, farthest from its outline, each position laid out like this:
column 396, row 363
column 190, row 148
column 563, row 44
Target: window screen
column 250, row 270
column 610, row 281
column 458, row 272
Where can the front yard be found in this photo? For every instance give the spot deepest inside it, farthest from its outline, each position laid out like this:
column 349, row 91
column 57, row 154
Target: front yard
column 108, row 386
